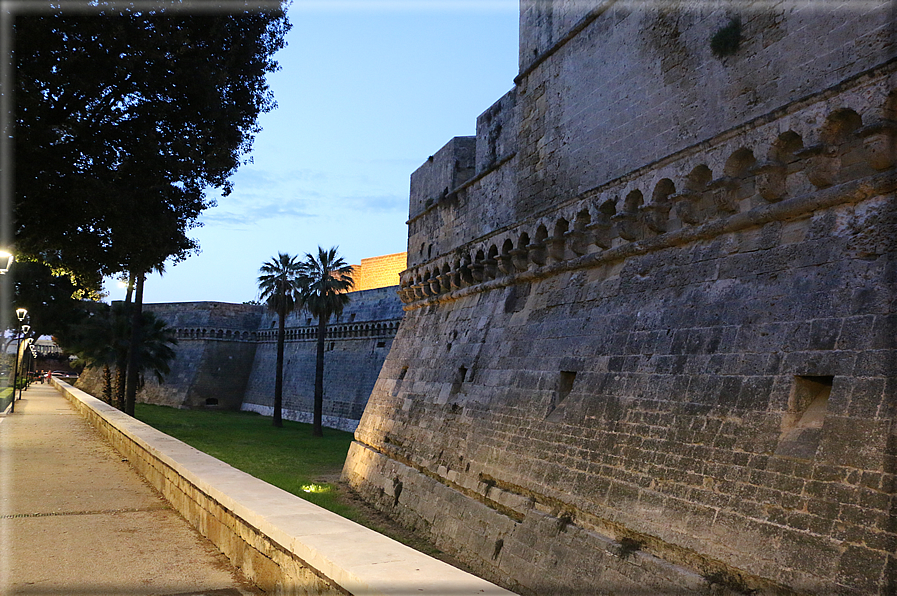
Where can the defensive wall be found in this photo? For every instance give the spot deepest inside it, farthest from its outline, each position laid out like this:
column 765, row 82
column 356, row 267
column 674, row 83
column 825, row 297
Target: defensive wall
column 226, row 354
column 648, row 344
column 355, row 346
column 379, row 272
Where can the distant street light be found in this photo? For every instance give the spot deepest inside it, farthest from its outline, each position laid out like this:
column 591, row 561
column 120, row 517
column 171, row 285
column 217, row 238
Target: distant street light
column 21, row 313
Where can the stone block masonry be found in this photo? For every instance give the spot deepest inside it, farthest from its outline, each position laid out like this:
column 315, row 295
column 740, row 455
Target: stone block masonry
column 226, row 353
column 649, row 339
column 356, row 346
column 379, row 272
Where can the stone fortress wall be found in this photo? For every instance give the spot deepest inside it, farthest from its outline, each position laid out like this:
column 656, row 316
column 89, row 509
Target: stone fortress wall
column 650, row 311
column 226, row 353
column 356, row 346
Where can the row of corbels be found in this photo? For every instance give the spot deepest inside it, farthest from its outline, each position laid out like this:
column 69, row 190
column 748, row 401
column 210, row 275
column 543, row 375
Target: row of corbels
column 595, row 227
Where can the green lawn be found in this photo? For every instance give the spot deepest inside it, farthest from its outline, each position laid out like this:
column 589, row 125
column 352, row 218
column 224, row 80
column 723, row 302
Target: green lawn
column 289, row 457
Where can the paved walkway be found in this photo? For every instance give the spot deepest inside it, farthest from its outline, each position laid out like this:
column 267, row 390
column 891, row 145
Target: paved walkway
column 75, row 519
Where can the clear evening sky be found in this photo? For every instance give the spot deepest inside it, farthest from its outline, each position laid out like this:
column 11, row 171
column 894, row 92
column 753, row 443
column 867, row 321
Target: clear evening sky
column 366, row 92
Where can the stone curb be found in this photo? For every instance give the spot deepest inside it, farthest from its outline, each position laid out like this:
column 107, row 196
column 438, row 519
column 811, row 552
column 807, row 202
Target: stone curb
column 282, row 542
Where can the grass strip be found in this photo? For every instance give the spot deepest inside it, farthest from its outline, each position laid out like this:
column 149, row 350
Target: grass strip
column 289, row 457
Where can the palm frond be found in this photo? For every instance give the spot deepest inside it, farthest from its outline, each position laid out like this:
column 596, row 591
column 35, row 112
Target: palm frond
column 279, row 283
column 327, row 280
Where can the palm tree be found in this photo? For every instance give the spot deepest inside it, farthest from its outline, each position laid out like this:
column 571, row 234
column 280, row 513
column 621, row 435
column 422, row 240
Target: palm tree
column 278, row 287
column 96, row 342
column 103, row 339
column 326, row 279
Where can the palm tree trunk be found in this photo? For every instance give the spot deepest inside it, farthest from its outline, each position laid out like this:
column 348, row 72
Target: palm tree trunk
column 278, row 381
column 134, row 349
column 317, row 430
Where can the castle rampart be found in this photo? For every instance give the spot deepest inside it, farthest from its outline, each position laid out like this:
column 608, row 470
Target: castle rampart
column 356, row 344
column 225, row 356
column 649, row 346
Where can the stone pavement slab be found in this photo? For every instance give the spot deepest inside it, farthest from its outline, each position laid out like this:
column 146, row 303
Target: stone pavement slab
column 75, row 519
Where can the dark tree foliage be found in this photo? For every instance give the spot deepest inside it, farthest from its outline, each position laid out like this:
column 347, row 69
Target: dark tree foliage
column 102, row 338
column 122, row 123
column 50, row 299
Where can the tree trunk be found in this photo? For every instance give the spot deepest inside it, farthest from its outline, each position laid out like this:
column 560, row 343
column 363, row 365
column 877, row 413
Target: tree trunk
column 121, row 367
column 134, row 348
column 317, row 430
column 278, row 381
column 107, row 384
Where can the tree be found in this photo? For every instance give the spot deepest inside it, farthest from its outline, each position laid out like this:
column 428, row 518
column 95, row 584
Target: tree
column 327, row 279
column 278, row 288
column 123, row 121
column 97, row 341
column 103, row 338
column 51, row 299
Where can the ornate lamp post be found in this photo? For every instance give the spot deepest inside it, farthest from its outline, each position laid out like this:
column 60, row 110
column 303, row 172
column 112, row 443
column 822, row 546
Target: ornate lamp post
column 21, row 313
column 26, row 369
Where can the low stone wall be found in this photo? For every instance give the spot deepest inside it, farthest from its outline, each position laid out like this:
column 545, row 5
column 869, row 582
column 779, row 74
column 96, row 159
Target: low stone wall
column 282, row 543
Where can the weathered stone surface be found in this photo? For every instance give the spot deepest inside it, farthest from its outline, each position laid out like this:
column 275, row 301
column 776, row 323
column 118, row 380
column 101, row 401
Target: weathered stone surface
column 226, row 356
column 632, row 415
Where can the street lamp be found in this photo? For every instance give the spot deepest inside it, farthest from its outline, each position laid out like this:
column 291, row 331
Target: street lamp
column 25, row 369
column 6, row 260
column 21, row 313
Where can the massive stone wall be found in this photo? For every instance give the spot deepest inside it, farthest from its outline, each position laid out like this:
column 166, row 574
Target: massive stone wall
column 213, row 357
column 356, row 346
column 649, row 336
column 225, row 358
column 216, row 345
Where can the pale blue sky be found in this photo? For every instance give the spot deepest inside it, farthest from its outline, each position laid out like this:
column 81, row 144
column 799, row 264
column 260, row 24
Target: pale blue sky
column 366, row 92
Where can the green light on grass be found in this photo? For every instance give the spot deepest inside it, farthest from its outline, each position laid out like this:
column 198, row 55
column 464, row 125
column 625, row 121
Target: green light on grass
column 316, row 488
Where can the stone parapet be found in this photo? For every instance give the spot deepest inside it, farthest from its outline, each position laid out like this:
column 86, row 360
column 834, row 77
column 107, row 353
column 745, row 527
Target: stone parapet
column 284, row 544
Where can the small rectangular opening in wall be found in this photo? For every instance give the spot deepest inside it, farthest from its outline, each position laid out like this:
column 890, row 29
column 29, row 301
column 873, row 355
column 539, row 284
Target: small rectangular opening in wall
column 381, row 344
column 565, row 386
column 398, row 383
column 460, row 376
column 802, row 423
